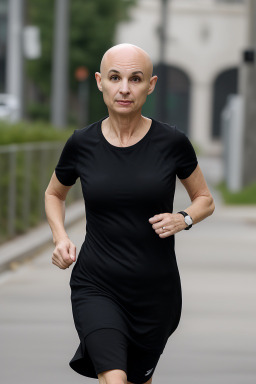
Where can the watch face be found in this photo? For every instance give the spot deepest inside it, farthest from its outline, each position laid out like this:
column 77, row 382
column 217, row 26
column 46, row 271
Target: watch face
column 188, row 220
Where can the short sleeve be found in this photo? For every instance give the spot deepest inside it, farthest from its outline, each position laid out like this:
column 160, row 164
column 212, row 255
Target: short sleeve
column 185, row 156
column 66, row 168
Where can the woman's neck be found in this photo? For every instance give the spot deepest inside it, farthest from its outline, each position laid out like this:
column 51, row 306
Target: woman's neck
column 125, row 127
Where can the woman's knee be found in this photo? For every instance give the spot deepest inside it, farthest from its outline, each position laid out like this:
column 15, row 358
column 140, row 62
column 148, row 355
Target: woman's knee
column 113, row 376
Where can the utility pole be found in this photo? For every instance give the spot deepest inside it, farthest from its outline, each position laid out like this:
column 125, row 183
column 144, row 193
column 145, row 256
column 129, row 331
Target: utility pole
column 60, row 64
column 247, row 85
column 162, row 67
column 14, row 67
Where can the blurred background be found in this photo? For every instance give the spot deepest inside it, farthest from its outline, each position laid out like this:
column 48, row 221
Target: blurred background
column 204, row 53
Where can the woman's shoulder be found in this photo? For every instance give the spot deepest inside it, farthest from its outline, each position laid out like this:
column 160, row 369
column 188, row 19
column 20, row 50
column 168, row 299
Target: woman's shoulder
column 87, row 130
column 168, row 131
column 87, row 135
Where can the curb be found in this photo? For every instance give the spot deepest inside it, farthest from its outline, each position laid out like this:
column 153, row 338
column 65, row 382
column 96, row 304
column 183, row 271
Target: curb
column 24, row 247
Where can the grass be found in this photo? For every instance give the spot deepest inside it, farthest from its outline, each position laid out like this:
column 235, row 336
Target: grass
column 247, row 196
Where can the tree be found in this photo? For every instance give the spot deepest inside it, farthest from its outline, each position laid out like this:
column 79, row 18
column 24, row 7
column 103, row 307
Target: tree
column 92, row 30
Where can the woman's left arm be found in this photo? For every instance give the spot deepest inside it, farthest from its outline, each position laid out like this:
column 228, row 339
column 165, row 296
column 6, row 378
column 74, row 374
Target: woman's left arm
column 202, row 206
column 202, row 203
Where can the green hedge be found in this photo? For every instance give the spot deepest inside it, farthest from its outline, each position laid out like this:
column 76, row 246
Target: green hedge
column 35, row 175
column 25, row 132
column 35, row 179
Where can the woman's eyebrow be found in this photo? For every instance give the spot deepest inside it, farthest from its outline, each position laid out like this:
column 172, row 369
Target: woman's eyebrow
column 133, row 73
column 113, row 70
column 136, row 72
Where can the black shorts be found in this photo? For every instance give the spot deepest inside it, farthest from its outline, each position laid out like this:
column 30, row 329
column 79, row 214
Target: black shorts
column 110, row 349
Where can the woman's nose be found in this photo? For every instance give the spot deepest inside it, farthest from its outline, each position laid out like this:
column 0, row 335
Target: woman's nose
column 124, row 86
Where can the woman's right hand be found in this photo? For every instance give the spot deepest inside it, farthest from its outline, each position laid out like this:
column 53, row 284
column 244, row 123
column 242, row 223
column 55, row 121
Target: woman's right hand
column 64, row 253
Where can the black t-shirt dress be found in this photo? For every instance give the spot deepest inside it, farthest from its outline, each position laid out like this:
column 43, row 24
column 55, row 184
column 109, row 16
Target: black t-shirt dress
column 126, row 277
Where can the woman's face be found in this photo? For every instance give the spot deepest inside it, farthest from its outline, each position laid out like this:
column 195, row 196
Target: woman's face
column 125, row 80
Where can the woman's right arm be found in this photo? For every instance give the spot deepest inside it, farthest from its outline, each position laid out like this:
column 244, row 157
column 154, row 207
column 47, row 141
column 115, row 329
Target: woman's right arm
column 64, row 253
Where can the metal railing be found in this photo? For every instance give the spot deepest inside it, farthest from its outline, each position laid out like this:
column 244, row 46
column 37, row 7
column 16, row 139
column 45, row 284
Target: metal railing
column 25, row 171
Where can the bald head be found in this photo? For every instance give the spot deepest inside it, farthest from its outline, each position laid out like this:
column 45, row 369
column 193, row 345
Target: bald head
column 125, row 71
column 126, row 56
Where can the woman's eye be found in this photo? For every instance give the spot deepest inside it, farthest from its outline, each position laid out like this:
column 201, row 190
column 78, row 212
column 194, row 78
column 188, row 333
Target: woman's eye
column 136, row 79
column 114, row 78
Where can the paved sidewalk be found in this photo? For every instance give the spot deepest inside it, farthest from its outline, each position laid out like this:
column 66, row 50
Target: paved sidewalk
column 215, row 341
column 23, row 247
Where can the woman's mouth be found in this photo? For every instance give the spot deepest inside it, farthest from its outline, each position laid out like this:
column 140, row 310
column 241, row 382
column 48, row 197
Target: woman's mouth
column 124, row 102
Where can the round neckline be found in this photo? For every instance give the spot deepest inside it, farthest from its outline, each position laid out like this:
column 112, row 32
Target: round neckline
column 130, row 147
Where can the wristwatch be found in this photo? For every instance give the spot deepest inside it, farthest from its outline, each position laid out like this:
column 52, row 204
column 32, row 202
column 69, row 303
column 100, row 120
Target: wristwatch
column 188, row 219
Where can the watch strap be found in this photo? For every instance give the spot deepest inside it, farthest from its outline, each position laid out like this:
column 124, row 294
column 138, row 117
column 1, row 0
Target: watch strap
column 185, row 214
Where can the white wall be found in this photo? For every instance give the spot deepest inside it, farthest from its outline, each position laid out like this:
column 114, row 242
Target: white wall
column 204, row 38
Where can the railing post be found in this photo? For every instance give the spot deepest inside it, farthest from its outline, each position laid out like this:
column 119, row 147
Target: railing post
column 27, row 187
column 43, row 167
column 12, row 191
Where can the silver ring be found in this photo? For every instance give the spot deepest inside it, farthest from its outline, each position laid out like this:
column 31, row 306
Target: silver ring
column 163, row 227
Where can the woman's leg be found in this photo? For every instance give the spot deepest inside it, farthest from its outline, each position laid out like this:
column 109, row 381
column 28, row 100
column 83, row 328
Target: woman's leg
column 148, row 382
column 107, row 348
column 113, row 376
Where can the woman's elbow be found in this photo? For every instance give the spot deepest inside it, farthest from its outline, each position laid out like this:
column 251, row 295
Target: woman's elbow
column 211, row 205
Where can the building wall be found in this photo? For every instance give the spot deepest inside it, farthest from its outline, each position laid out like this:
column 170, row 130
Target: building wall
column 204, row 39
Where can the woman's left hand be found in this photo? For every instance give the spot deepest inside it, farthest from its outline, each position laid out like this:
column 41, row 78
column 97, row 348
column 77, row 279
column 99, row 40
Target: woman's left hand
column 172, row 223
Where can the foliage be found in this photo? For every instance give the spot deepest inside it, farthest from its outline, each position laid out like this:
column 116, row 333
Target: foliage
column 246, row 196
column 41, row 14
column 25, row 132
column 37, row 111
column 28, row 172
column 92, row 30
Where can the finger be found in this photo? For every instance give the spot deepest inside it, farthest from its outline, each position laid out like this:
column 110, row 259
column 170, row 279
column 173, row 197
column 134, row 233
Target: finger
column 57, row 263
column 156, row 218
column 66, row 264
column 72, row 251
column 170, row 231
column 163, row 229
column 166, row 234
column 58, row 260
column 63, row 265
column 63, row 261
column 59, row 255
column 64, row 256
column 161, row 225
column 66, row 260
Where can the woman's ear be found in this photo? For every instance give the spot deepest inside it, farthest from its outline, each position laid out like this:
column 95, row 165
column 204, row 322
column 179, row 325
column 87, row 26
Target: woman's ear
column 98, row 80
column 152, row 84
